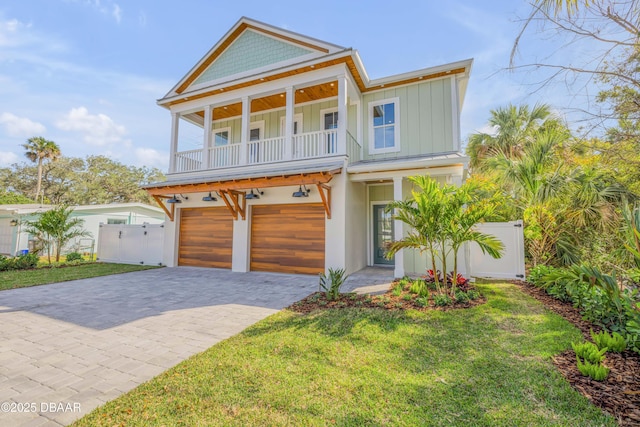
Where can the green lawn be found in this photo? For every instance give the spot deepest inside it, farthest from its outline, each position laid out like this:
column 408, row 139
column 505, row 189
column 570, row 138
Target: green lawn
column 489, row 365
column 41, row 276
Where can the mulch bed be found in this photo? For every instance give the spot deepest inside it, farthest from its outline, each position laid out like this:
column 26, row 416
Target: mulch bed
column 386, row 301
column 619, row 394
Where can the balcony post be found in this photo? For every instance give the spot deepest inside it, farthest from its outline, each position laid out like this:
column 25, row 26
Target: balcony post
column 342, row 114
column 244, row 134
column 175, row 122
column 288, row 123
column 206, row 144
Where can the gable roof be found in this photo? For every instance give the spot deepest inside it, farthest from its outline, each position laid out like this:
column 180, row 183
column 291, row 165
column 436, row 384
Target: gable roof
column 246, row 48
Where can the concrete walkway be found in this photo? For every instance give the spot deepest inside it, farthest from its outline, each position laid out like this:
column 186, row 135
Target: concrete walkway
column 67, row 348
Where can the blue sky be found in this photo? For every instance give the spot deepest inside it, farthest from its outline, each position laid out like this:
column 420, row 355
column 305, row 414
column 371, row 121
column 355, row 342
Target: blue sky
column 86, row 73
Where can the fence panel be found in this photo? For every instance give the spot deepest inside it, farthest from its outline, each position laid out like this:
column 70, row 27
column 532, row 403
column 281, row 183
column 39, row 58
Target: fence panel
column 131, row 244
column 511, row 265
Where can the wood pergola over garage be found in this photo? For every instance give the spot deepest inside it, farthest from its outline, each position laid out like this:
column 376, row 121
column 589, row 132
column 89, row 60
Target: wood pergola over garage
column 285, row 237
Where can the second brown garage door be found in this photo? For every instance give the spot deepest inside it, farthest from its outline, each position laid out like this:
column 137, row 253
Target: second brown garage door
column 206, row 237
column 288, row 238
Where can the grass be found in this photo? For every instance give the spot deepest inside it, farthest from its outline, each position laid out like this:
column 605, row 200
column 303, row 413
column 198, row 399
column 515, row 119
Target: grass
column 41, row 276
column 485, row 366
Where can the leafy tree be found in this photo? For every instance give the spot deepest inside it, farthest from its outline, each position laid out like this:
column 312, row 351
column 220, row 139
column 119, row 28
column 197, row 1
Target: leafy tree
column 55, row 228
column 12, row 198
column 442, row 219
column 37, row 150
column 77, row 181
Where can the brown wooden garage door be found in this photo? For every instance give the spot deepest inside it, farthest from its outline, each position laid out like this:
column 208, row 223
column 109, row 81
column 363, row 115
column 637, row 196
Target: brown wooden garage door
column 206, row 237
column 288, row 238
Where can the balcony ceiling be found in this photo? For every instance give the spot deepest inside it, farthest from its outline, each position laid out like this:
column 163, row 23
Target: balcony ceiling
column 277, row 100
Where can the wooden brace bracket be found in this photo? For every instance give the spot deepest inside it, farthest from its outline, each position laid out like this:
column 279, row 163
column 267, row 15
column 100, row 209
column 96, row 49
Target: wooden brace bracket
column 170, row 213
column 239, row 206
column 326, row 198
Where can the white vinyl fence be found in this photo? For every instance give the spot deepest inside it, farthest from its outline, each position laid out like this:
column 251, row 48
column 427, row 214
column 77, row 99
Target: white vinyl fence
column 131, row 244
column 511, row 265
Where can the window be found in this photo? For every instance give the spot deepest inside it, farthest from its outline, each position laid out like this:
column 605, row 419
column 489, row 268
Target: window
column 116, row 221
column 383, row 126
column 256, row 133
column 329, row 120
column 221, row 137
column 297, row 124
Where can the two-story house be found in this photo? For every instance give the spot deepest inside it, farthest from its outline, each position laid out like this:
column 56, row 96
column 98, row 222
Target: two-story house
column 284, row 154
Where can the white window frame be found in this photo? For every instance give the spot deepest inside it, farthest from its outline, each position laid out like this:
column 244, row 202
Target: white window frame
column 298, row 117
column 326, row 111
column 396, row 130
column 220, row 130
column 258, row 124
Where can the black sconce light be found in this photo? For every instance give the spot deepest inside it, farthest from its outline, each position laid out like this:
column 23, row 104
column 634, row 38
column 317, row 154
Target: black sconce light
column 175, row 199
column 253, row 195
column 301, row 193
column 209, row 198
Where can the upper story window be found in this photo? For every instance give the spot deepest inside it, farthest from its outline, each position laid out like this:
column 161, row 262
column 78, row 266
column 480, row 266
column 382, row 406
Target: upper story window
column 221, row 136
column 384, row 126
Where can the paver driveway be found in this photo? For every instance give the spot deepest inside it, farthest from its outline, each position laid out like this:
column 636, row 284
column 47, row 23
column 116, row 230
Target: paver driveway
column 69, row 347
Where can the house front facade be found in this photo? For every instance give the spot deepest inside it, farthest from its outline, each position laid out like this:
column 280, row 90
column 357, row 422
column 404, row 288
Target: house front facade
column 284, row 154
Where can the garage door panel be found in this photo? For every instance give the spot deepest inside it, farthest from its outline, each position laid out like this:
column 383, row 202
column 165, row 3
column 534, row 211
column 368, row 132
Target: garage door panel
column 206, row 237
column 288, row 238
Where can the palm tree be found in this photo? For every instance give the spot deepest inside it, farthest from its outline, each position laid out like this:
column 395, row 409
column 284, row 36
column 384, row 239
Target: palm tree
column 55, row 228
column 442, row 219
column 39, row 149
column 515, row 128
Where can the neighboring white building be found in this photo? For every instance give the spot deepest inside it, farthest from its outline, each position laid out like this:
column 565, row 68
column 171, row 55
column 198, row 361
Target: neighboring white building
column 297, row 151
column 13, row 238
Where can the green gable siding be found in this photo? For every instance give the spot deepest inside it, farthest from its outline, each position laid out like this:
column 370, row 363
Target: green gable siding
column 426, row 123
column 249, row 52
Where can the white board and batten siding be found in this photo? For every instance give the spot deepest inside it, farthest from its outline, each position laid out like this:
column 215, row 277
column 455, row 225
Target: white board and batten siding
column 131, row 244
column 511, row 265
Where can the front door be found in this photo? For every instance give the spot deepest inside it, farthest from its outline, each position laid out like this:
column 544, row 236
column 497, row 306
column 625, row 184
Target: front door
column 382, row 234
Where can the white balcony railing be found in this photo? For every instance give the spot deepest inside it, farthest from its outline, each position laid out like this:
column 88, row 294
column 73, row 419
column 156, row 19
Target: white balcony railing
column 224, row 156
column 187, row 161
column 266, row 150
column 303, row 146
column 315, row 144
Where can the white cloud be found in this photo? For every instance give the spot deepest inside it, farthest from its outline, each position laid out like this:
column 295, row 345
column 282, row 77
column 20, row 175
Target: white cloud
column 117, row 13
column 152, row 158
column 97, row 129
column 21, row 126
column 7, row 158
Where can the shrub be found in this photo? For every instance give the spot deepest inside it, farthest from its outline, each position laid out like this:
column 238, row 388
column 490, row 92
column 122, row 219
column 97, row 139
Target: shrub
column 397, row 291
column 331, row 284
column 614, row 343
column 537, row 273
column 461, row 297
column 589, row 352
column 596, row 371
column 442, row 300
column 419, row 288
column 24, row 262
column 74, row 256
column 407, row 297
column 473, row 294
column 422, row 301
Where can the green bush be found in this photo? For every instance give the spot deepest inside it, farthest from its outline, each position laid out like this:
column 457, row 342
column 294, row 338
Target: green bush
column 473, row 294
column 589, row 352
column 614, row 343
column 74, row 256
column 397, row 291
column 442, row 300
column 461, row 297
column 22, row 262
column 537, row 273
column 419, row 288
column 596, row 371
column 422, row 301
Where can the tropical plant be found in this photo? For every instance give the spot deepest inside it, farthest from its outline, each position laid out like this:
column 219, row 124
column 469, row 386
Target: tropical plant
column 441, row 220
column 74, row 256
column 55, row 228
column 37, row 150
column 594, row 370
column 589, row 352
column 612, row 342
column 332, row 283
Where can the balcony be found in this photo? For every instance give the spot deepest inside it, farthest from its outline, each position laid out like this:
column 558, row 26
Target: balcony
column 307, row 145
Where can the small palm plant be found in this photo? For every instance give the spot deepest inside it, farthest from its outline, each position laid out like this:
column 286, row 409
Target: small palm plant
column 332, row 283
